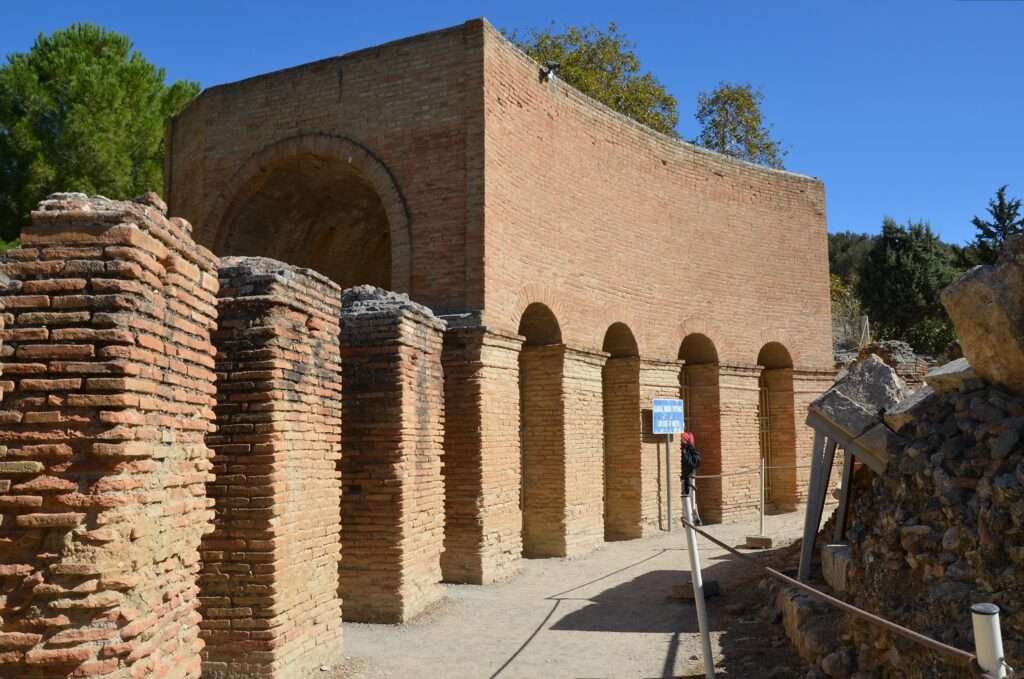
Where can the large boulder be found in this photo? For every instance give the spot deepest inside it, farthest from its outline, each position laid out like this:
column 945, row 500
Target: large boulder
column 987, row 307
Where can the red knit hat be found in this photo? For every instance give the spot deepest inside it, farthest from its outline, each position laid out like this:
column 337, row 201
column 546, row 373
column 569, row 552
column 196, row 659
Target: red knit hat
column 687, row 437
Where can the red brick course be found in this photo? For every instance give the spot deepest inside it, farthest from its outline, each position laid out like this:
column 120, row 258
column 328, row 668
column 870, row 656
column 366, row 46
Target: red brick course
column 269, row 585
column 500, row 192
column 108, row 395
column 392, row 435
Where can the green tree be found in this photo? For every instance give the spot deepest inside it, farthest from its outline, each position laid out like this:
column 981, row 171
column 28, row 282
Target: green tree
column 81, row 111
column 1005, row 221
column 846, row 254
column 900, row 282
column 731, row 123
column 604, row 65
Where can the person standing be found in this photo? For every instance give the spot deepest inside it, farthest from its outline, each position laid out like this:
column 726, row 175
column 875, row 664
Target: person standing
column 689, row 462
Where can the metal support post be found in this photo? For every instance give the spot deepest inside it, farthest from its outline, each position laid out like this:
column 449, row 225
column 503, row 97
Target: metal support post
column 988, row 639
column 698, row 587
column 668, row 479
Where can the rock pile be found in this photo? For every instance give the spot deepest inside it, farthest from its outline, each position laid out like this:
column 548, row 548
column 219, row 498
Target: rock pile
column 940, row 525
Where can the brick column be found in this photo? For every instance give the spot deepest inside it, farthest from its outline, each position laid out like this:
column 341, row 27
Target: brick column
column 703, row 418
column 543, row 461
column 392, row 526
column 658, row 379
column 584, row 450
column 623, row 481
column 483, row 520
column 102, row 487
column 741, row 445
column 269, row 585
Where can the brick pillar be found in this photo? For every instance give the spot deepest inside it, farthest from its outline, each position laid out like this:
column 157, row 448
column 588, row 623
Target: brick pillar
column 703, row 418
column 543, row 457
column 102, row 487
column 658, row 379
column 584, row 450
column 269, row 585
column 741, row 446
column 392, row 526
column 483, row 521
column 808, row 385
column 623, row 483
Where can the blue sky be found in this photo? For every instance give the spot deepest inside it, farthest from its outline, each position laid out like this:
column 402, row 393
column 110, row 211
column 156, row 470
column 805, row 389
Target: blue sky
column 908, row 109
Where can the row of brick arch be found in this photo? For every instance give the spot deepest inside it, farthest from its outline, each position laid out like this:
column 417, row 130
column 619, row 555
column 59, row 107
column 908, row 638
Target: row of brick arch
column 633, row 475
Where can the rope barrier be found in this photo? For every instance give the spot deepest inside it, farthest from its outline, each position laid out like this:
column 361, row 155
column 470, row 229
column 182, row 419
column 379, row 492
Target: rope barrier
column 961, row 656
column 749, row 470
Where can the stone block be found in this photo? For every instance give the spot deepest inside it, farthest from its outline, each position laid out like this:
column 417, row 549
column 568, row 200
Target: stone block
column 949, row 377
column 835, row 565
column 986, row 306
column 854, row 403
column 907, row 409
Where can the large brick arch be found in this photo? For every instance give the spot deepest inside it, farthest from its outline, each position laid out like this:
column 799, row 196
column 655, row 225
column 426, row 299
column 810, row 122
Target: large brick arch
column 336, row 147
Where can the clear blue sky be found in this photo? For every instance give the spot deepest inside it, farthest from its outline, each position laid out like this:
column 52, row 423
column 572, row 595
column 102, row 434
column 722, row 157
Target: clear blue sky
column 908, row 109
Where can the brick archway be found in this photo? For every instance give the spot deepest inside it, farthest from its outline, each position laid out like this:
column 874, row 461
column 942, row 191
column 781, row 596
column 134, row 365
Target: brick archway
column 344, row 157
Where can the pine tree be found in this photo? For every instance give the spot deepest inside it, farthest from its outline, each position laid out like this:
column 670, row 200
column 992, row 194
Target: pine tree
column 1006, row 221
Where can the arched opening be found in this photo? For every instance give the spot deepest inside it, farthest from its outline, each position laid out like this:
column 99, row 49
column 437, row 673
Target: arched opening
column 777, row 424
column 699, row 387
column 620, row 386
column 542, row 495
column 315, row 211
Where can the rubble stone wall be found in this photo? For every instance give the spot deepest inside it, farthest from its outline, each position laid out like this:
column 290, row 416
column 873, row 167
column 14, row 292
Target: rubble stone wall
column 941, row 529
column 269, row 584
column 392, row 434
column 108, row 396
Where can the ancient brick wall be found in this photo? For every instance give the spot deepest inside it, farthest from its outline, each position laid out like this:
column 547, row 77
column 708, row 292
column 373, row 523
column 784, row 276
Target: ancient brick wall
column 584, row 450
column 483, row 519
column 623, row 483
column 543, row 462
column 701, row 227
column 108, row 395
column 269, row 584
column 739, row 394
column 392, row 435
column 658, row 379
column 406, row 116
column 703, row 420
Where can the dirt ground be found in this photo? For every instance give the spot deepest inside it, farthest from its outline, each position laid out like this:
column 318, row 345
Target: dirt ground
column 607, row 615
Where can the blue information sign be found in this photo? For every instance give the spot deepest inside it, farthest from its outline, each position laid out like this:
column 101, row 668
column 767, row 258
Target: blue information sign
column 667, row 416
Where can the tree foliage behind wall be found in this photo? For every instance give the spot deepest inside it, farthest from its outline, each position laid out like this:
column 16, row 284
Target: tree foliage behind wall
column 604, row 65
column 81, row 111
column 731, row 123
column 900, row 281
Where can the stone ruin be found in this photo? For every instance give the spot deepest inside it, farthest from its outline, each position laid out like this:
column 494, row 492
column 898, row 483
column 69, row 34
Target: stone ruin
column 170, row 478
column 941, row 525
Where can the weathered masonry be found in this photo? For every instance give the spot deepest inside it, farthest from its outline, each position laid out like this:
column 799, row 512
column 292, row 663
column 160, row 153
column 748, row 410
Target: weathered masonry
column 583, row 263
column 218, row 443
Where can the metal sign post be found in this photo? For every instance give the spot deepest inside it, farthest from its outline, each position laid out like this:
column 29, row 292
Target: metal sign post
column 668, row 480
column 667, row 419
column 698, row 587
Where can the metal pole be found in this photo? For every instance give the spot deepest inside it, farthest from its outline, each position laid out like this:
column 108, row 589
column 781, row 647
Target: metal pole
column 761, row 532
column 668, row 479
column 988, row 640
column 698, row 587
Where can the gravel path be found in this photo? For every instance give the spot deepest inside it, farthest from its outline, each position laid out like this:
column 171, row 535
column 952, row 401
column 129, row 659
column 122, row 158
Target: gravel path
column 606, row 615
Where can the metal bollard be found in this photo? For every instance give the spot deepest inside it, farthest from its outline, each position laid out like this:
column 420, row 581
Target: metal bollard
column 988, row 640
